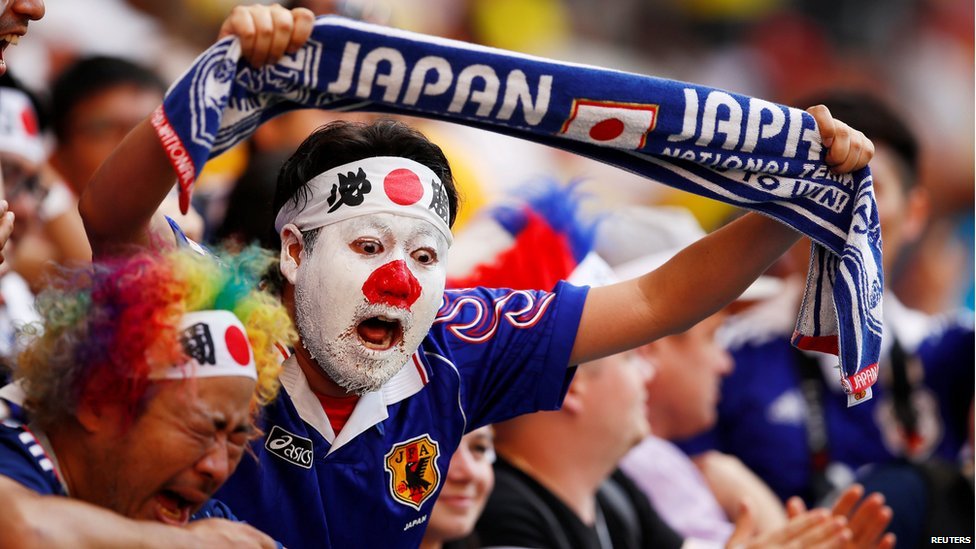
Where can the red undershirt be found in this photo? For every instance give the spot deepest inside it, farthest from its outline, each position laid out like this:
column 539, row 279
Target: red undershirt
column 338, row 409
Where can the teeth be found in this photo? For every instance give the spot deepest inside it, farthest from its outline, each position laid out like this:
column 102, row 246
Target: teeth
column 173, row 514
column 11, row 39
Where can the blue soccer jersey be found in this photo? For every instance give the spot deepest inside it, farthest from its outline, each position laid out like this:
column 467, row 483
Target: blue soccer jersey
column 22, row 457
column 490, row 355
column 764, row 415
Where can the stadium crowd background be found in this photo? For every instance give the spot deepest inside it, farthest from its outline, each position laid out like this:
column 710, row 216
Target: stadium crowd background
column 916, row 54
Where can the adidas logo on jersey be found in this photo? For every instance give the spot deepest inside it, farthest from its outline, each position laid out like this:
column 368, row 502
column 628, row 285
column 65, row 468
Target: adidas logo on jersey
column 289, row 447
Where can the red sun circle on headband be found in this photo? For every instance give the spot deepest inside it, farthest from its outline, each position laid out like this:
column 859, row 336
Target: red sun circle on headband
column 29, row 121
column 237, row 345
column 403, row 187
column 608, row 129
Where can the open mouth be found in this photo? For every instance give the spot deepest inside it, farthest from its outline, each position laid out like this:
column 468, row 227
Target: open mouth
column 380, row 333
column 172, row 508
column 6, row 40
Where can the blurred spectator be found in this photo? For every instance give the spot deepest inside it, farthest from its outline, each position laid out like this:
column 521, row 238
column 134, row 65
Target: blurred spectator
column 546, row 497
column 782, row 412
column 14, row 20
column 22, row 154
column 94, row 104
column 936, row 273
column 682, row 399
column 467, row 484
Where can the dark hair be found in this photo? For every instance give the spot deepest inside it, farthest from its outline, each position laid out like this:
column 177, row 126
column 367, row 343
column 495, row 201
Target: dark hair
column 871, row 115
column 341, row 142
column 91, row 76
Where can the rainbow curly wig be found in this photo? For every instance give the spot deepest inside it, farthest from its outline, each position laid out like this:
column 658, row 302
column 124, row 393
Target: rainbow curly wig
column 105, row 328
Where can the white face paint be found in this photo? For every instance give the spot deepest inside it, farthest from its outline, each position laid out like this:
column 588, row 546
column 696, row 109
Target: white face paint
column 367, row 295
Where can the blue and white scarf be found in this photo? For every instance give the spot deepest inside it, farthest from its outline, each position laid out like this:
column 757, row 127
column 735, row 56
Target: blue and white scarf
column 740, row 150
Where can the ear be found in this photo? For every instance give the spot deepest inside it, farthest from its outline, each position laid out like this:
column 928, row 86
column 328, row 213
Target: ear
column 916, row 213
column 94, row 417
column 573, row 403
column 292, row 246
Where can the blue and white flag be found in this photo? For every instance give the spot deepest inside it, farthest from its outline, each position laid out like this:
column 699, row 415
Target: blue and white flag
column 736, row 149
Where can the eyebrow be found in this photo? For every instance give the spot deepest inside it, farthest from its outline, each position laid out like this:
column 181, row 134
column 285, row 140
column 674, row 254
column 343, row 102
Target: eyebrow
column 427, row 231
column 485, row 436
column 422, row 231
column 221, row 423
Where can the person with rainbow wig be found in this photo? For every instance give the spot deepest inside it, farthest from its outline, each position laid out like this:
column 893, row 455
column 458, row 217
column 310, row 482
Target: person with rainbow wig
column 136, row 397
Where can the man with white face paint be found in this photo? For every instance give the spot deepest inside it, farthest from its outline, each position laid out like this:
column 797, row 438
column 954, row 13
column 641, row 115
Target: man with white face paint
column 390, row 243
column 391, row 369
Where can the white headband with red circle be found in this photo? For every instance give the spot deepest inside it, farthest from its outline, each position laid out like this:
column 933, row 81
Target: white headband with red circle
column 217, row 345
column 381, row 184
column 19, row 131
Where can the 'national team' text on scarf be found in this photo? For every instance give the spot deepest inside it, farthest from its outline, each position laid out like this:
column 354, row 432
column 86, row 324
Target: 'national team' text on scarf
column 740, row 150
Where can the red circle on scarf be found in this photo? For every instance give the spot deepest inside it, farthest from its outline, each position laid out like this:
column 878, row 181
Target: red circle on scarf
column 608, row 129
column 237, row 345
column 403, row 187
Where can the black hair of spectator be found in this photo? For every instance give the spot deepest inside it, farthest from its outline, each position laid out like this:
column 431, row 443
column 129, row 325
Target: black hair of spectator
column 880, row 122
column 249, row 217
column 91, row 76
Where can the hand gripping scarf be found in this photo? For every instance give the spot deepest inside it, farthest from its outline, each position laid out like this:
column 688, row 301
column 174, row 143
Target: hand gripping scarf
column 740, row 150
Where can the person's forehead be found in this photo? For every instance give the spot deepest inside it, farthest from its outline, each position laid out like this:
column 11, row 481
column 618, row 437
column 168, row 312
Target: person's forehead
column 607, row 370
column 387, row 224
column 482, row 433
column 888, row 169
column 123, row 101
column 205, row 395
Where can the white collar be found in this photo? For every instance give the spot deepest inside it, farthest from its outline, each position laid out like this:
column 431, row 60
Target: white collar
column 370, row 409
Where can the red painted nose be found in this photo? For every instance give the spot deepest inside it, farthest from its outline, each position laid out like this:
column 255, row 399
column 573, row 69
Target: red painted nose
column 392, row 284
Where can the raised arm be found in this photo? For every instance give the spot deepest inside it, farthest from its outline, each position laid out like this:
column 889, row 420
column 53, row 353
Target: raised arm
column 705, row 276
column 32, row 520
column 118, row 203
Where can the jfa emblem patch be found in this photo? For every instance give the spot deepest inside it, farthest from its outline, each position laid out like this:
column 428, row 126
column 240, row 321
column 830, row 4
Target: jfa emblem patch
column 412, row 466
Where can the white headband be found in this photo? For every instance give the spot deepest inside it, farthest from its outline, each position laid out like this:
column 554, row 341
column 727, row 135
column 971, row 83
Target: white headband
column 381, row 184
column 217, row 346
column 19, row 131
